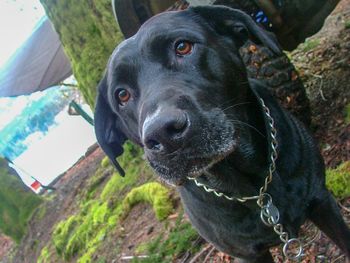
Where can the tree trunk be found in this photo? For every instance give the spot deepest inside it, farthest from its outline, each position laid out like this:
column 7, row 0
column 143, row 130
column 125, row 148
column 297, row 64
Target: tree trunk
column 89, row 33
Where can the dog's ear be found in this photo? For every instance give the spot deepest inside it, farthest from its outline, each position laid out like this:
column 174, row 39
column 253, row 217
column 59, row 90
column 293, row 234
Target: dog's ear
column 237, row 24
column 108, row 134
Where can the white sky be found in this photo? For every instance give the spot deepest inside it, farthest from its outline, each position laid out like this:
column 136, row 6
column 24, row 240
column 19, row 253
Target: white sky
column 17, row 20
column 10, row 108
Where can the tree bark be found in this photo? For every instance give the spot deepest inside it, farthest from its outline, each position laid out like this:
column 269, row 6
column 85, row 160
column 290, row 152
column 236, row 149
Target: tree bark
column 89, row 33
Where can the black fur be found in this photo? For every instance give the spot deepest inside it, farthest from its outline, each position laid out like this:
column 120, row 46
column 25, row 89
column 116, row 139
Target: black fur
column 198, row 115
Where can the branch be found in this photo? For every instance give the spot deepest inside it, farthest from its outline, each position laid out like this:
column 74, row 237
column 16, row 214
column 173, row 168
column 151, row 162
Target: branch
column 198, row 255
column 68, row 85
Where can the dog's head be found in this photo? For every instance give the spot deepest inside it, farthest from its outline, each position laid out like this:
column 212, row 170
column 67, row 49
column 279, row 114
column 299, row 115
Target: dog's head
column 178, row 88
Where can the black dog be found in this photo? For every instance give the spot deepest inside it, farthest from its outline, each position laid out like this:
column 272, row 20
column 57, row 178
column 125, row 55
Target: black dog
column 178, row 88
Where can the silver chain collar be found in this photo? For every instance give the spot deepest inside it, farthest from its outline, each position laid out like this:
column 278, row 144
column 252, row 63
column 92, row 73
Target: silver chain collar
column 269, row 213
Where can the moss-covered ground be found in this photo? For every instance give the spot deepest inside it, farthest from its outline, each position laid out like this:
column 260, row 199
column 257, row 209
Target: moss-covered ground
column 105, row 203
column 338, row 180
column 310, row 44
column 164, row 249
column 17, row 203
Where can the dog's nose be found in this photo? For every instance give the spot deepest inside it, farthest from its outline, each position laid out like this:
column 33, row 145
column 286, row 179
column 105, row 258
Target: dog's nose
column 165, row 131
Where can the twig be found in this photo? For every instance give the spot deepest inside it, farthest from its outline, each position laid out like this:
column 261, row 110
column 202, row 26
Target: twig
column 198, row 255
column 344, row 207
column 68, row 85
column 132, row 257
column 321, row 85
column 187, row 255
column 208, row 256
column 316, row 236
column 338, row 258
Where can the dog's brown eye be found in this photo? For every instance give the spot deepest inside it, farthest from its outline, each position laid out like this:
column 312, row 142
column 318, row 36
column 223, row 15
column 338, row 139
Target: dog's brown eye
column 123, row 96
column 183, row 48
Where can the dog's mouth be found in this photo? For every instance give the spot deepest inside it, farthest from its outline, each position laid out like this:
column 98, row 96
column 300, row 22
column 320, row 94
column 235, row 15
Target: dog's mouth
column 201, row 165
column 177, row 169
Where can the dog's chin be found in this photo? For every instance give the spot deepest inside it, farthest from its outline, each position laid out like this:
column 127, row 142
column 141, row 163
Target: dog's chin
column 177, row 170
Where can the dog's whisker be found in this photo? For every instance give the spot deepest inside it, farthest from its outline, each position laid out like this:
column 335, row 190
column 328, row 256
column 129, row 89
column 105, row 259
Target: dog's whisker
column 248, row 125
column 236, row 105
column 221, row 105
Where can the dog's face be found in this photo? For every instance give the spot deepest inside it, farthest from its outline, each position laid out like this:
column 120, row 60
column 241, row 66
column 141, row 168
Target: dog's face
column 178, row 88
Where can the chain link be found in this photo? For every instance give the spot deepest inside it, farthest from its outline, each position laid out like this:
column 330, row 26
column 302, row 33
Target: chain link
column 218, row 194
column 269, row 213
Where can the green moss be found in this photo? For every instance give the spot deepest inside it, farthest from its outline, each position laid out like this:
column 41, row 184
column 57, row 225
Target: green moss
column 116, row 184
column 338, row 180
column 89, row 34
column 80, row 235
column 310, row 44
column 347, row 114
column 105, row 162
column 17, row 203
column 133, row 164
column 41, row 212
column 62, row 234
column 167, row 249
column 153, row 193
column 45, row 256
column 94, row 183
column 82, row 232
column 347, row 24
column 142, row 248
column 106, row 217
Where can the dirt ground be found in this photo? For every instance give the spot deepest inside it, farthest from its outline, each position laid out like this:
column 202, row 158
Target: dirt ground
column 5, row 245
column 325, row 70
column 61, row 204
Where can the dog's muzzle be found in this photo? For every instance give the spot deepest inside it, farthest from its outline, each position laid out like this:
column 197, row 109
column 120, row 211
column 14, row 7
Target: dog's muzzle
column 179, row 143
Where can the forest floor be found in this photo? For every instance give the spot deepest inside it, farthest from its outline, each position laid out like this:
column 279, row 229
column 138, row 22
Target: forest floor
column 323, row 62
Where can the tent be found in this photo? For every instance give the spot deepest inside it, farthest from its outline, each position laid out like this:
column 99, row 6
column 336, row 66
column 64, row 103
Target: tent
column 38, row 64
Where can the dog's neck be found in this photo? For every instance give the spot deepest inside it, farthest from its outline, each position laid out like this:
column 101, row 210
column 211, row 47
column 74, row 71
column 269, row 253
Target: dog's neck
column 243, row 172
